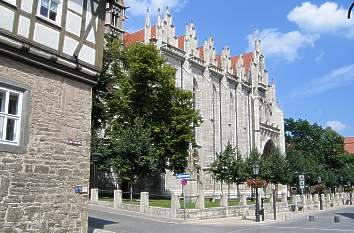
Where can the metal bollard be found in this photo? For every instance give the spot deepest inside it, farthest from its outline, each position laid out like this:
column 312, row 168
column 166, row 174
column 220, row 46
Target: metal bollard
column 336, row 219
column 311, row 218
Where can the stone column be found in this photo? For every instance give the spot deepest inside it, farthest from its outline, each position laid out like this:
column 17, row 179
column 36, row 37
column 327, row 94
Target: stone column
column 324, row 201
column 316, row 199
column 243, row 200
column 117, row 198
column 144, row 202
column 94, row 194
column 332, row 197
column 174, row 204
column 328, row 200
column 284, row 199
column 224, row 200
column 200, row 201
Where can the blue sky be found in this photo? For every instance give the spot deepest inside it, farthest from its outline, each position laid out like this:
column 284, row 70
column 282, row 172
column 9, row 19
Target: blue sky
column 309, row 48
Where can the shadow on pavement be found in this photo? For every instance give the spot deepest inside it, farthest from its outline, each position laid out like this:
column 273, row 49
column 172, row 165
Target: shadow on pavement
column 96, row 223
column 348, row 215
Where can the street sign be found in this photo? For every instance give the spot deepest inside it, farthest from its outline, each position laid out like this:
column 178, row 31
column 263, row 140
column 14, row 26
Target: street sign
column 183, row 176
column 301, row 177
column 302, row 183
column 184, row 182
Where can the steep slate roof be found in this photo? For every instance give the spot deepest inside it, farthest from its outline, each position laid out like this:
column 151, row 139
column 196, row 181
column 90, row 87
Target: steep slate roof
column 349, row 144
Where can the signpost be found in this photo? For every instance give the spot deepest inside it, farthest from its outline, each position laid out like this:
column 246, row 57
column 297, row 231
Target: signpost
column 183, row 177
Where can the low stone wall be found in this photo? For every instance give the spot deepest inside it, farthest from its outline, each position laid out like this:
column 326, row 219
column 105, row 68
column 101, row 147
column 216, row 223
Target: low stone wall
column 309, row 203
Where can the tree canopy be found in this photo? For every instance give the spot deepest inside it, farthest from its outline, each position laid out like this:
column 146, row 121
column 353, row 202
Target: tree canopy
column 146, row 120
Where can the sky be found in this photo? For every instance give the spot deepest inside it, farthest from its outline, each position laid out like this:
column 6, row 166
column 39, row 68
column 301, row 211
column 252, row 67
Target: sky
column 309, row 47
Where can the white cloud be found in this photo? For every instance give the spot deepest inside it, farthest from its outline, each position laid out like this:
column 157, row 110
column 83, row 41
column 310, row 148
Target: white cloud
column 279, row 44
column 341, row 77
column 138, row 7
column 336, row 125
column 326, row 18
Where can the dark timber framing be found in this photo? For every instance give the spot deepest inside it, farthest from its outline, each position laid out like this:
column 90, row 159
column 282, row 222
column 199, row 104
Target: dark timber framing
column 34, row 19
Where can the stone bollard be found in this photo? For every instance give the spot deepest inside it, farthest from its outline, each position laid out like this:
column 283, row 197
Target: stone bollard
column 224, row 200
column 311, row 218
column 200, row 201
column 117, row 198
column 336, row 219
column 309, row 199
column 144, row 202
column 174, row 204
column 243, row 201
column 284, row 199
column 94, row 194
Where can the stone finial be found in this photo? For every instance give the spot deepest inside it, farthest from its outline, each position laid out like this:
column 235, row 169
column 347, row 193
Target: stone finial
column 147, row 31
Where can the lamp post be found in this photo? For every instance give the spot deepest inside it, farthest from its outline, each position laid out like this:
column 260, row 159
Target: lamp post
column 255, row 174
column 94, row 159
column 319, row 190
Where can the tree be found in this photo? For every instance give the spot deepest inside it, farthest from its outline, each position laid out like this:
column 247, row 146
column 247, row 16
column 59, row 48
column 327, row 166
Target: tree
column 138, row 106
column 239, row 172
column 222, row 169
column 274, row 168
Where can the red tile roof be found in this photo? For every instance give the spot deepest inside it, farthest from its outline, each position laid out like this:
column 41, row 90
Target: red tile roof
column 181, row 42
column 349, row 145
column 234, row 61
column 201, row 53
column 247, row 60
column 218, row 61
column 134, row 37
column 138, row 36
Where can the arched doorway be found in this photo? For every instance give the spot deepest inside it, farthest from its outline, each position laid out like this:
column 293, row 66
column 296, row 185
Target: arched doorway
column 269, row 148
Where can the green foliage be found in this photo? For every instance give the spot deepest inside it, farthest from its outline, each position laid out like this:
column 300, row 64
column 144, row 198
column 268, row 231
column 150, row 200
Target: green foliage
column 316, row 151
column 274, row 168
column 148, row 122
column 222, row 168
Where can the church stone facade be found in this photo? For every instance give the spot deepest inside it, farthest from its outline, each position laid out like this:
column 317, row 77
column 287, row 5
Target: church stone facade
column 233, row 93
column 50, row 57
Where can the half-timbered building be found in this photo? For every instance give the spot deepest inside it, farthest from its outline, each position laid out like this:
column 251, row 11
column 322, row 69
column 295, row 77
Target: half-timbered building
column 50, row 57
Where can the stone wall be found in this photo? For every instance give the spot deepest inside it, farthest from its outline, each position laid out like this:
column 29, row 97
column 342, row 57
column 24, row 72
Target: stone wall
column 37, row 187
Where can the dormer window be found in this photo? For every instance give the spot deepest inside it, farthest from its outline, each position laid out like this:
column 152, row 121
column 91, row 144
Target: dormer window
column 49, row 9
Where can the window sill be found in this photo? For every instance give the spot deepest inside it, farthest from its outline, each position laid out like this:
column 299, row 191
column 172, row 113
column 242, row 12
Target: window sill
column 49, row 22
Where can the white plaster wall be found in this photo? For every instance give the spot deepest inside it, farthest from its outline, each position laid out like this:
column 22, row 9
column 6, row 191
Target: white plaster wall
column 75, row 23
column 41, row 33
column 7, row 18
column 23, row 28
column 76, row 5
column 87, row 54
column 27, row 5
column 70, row 45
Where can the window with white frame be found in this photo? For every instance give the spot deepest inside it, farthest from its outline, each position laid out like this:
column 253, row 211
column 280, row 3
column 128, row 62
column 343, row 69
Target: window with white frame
column 10, row 116
column 49, row 9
